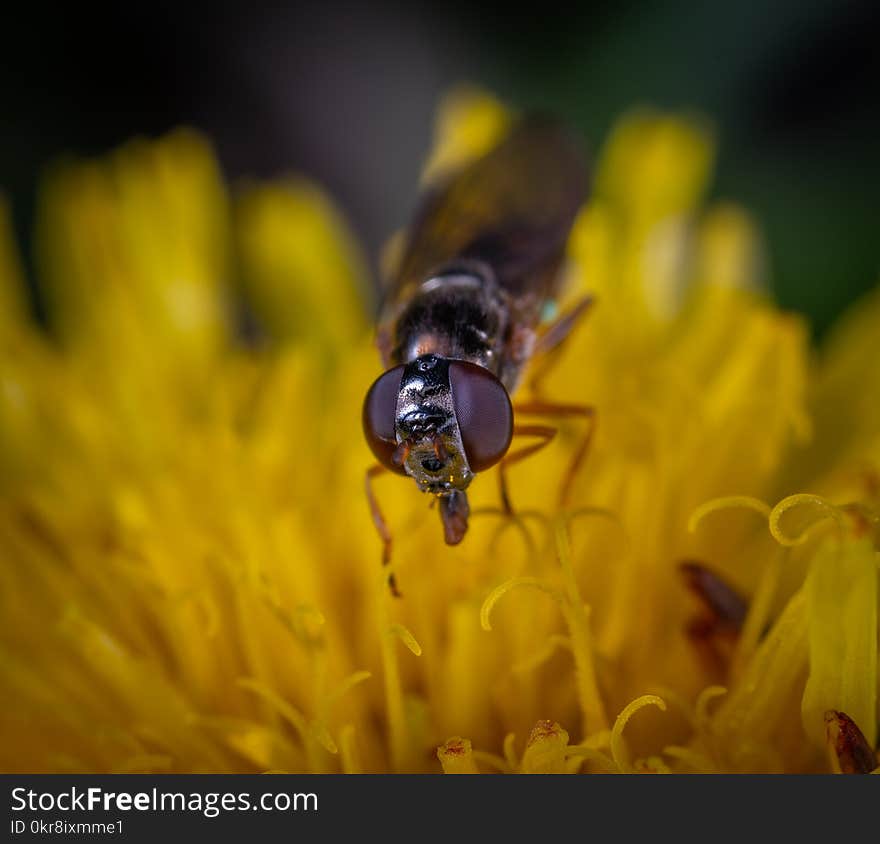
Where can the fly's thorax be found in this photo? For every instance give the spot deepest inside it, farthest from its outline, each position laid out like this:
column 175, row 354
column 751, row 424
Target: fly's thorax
column 427, row 429
column 459, row 314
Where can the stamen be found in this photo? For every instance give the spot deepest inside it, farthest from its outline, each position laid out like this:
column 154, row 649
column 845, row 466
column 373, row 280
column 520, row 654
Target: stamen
column 348, row 751
column 457, row 756
column 510, row 752
column 318, row 730
column 514, row 583
column 287, row 710
column 828, row 511
column 407, row 638
column 304, row 622
column 724, row 503
column 677, row 702
column 345, row 686
column 546, row 749
column 577, row 618
column 619, row 750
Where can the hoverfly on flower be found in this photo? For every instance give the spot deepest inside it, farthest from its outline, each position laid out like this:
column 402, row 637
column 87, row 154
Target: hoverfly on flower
column 462, row 316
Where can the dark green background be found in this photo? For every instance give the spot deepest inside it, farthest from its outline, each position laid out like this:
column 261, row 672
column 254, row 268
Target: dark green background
column 345, row 92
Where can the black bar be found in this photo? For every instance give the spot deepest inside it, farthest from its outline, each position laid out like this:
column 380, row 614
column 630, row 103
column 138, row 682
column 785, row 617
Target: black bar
column 413, row 808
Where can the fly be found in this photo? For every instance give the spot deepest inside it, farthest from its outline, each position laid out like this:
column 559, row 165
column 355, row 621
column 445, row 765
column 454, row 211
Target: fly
column 461, row 319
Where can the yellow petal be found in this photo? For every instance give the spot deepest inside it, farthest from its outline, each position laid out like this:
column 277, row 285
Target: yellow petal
column 469, row 123
column 304, row 276
column 842, row 608
column 134, row 252
column 655, row 166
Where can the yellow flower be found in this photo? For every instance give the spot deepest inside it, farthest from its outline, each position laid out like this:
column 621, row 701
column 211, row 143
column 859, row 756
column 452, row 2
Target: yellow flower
column 190, row 578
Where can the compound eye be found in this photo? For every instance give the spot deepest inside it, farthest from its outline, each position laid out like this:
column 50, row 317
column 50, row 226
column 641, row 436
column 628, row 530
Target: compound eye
column 380, row 411
column 484, row 414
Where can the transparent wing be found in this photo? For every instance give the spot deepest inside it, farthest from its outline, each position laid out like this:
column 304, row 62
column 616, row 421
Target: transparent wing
column 511, row 209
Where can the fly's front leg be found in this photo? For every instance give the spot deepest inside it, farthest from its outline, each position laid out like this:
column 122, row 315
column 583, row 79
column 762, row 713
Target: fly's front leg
column 556, row 410
column 545, row 355
column 379, row 522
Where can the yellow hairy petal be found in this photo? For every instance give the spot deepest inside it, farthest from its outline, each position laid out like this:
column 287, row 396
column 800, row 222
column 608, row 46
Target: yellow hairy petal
column 303, row 274
column 753, row 712
column 469, row 123
column 654, row 166
column 842, row 608
column 729, row 250
column 135, row 251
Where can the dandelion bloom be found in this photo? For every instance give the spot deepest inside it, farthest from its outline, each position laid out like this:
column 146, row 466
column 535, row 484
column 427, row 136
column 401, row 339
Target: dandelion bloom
column 190, row 578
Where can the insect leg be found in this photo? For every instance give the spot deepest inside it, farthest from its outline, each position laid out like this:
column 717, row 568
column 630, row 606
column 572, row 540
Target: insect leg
column 545, row 433
column 553, row 409
column 379, row 522
column 552, row 338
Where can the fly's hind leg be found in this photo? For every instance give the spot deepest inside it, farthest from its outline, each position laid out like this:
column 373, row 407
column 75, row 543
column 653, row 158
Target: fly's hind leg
column 380, row 523
column 546, row 352
column 546, row 433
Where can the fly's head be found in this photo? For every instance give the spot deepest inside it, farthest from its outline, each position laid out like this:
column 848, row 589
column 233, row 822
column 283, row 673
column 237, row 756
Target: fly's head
column 426, row 428
column 439, row 421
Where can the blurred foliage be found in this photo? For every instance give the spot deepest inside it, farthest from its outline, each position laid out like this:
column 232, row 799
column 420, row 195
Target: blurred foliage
column 343, row 93
column 791, row 87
